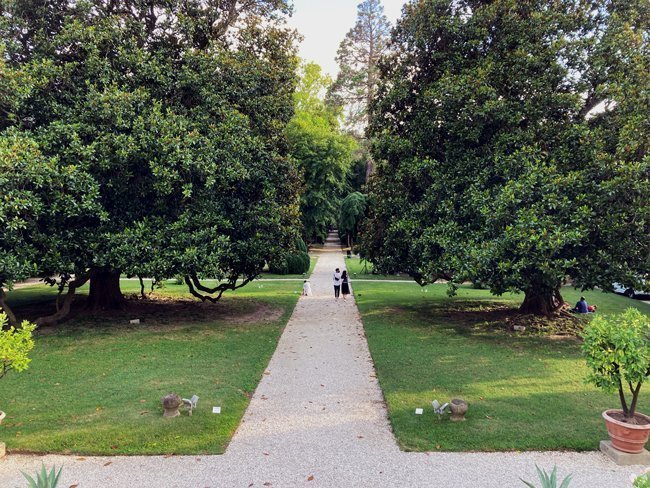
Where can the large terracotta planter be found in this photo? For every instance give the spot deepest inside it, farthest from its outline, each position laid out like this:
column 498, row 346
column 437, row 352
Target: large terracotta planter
column 627, row 437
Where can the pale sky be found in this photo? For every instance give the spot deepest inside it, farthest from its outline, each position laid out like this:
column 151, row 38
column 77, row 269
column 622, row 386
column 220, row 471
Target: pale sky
column 324, row 23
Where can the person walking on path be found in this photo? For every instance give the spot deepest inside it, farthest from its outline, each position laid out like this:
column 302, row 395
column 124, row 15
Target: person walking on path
column 337, row 283
column 345, row 285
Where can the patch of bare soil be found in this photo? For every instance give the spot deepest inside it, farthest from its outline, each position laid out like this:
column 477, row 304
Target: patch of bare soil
column 468, row 316
column 638, row 419
column 160, row 312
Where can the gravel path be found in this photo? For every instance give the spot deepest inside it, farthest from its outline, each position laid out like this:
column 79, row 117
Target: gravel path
column 318, row 419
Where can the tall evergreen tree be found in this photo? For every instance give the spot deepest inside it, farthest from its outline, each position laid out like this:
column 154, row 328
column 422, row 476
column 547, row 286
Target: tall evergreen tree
column 357, row 58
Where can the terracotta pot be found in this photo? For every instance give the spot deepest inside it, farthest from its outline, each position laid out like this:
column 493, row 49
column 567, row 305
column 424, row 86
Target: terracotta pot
column 627, row 437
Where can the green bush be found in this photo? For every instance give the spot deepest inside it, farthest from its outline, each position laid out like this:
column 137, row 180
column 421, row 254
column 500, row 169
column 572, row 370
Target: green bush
column 642, row 481
column 295, row 263
column 302, row 247
column 15, row 345
column 617, row 350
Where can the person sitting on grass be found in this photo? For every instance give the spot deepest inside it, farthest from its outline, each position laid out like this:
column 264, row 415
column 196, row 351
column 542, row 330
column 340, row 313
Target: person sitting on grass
column 581, row 306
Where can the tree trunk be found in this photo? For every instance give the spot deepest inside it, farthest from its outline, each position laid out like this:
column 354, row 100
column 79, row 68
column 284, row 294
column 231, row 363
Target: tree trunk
column 11, row 318
column 105, row 293
column 542, row 302
column 62, row 310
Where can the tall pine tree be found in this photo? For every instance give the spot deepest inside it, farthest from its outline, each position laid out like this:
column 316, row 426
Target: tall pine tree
column 357, row 57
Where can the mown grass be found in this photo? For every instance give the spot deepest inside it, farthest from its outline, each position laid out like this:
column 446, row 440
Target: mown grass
column 359, row 269
column 526, row 391
column 95, row 383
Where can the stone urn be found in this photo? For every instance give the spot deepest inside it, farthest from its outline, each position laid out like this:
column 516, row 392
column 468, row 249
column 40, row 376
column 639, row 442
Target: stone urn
column 626, row 437
column 171, row 403
column 458, row 410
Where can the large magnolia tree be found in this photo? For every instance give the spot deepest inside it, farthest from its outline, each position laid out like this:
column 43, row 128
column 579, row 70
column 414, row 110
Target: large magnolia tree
column 174, row 113
column 513, row 138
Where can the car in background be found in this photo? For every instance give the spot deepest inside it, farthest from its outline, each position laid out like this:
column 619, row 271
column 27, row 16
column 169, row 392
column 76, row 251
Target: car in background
column 630, row 292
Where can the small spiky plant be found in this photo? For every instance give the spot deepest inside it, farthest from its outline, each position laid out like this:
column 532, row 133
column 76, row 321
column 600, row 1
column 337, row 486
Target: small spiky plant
column 44, row 479
column 549, row 480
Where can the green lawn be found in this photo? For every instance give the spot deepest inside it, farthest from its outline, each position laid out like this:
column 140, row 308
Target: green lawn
column 526, row 392
column 362, row 270
column 94, row 385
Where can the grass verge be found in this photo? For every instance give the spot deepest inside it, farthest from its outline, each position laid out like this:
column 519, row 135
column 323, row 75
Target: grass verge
column 95, row 383
column 526, row 391
column 363, row 270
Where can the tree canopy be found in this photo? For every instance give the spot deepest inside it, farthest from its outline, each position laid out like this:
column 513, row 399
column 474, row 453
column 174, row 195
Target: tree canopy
column 512, row 141
column 357, row 57
column 353, row 209
column 170, row 117
column 322, row 151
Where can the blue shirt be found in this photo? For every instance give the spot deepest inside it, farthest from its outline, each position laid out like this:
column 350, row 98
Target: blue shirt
column 582, row 306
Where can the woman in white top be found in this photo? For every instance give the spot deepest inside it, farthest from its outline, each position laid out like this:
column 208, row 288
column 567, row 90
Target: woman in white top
column 337, row 283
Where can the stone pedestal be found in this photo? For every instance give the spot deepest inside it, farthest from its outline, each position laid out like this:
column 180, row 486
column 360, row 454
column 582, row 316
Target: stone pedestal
column 624, row 458
column 3, row 450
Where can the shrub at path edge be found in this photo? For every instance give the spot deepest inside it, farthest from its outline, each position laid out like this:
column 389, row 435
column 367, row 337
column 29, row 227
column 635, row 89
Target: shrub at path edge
column 15, row 345
column 617, row 350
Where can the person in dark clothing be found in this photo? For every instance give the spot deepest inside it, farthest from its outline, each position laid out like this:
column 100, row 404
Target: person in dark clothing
column 345, row 285
column 581, row 306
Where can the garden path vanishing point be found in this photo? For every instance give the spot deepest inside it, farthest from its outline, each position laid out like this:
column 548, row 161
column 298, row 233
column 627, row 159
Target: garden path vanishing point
column 317, row 419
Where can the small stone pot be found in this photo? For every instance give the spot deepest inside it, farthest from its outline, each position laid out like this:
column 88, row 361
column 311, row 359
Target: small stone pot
column 171, row 403
column 458, row 410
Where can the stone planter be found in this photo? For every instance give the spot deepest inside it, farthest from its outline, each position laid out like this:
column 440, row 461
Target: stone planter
column 458, row 410
column 627, row 437
column 171, row 403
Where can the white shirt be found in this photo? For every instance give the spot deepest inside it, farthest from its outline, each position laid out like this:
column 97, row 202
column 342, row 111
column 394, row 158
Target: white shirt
column 337, row 279
column 306, row 289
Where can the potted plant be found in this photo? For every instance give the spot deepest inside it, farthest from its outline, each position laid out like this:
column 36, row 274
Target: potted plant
column 15, row 345
column 617, row 350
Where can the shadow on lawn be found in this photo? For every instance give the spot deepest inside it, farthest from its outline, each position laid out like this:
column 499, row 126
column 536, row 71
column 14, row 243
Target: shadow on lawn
column 155, row 313
column 477, row 317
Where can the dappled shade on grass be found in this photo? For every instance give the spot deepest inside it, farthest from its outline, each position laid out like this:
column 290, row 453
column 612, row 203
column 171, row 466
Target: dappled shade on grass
column 526, row 392
column 94, row 385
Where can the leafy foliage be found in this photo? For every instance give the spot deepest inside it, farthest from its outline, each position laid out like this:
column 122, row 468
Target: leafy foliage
column 549, row 481
column 353, row 209
column 15, row 345
column 510, row 151
column 642, row 481
column 617, row 350
column 322, row 152
column 174, row 113
column 297, row 262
